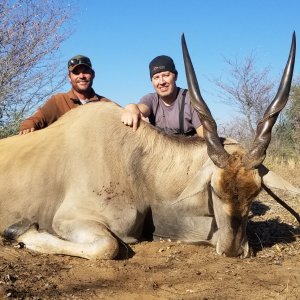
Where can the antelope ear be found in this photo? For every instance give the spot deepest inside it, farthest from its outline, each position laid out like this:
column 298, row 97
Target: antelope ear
column 199, row 183
column 273, row 180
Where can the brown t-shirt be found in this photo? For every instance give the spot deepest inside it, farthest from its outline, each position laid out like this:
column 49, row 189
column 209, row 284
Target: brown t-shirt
column 54, row 108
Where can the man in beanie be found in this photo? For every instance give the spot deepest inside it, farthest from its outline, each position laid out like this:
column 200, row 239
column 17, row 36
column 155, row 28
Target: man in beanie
column 169, row 108
column 81, row 76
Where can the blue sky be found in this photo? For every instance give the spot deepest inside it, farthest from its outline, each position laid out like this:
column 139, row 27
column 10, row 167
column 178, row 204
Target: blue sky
column 122, row 36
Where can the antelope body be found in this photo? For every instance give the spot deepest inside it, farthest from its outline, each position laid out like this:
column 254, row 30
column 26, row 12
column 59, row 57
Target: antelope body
column 87, row 180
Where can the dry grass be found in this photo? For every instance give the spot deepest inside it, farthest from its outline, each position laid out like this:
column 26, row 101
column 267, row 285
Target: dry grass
column 288, row 168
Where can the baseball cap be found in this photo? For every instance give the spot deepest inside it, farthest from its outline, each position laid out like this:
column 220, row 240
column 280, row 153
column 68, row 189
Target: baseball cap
column 79, row 60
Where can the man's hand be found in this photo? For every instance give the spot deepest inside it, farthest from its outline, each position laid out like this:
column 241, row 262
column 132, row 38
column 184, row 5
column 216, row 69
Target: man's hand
column 131, row 116
column 25, row 131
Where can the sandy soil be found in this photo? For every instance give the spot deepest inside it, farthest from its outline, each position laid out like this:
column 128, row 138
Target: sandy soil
column 165, row 270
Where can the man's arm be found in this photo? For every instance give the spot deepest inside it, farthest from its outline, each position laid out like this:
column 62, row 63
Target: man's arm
column 34, row 122
column 132, row 114
column 45, row 115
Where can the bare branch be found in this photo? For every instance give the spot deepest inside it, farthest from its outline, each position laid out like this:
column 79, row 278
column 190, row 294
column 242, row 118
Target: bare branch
column 31, row 33
column 247, row 90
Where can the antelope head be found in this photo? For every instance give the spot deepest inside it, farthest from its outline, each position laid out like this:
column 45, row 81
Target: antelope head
column 236, row 181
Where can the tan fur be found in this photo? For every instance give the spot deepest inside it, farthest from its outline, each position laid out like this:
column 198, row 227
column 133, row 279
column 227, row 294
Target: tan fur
column 238, row 185
column 88, row 178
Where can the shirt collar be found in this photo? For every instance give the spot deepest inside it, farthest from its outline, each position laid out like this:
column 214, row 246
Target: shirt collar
column 73, row 97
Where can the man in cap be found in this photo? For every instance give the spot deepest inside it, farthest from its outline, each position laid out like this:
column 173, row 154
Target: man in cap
column 81, row 76
column 169, row 108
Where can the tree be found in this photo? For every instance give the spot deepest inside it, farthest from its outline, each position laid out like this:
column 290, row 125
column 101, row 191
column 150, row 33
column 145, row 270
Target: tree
column 249, row 92
column 31, row 33
column 293, row 115
column 288, row 130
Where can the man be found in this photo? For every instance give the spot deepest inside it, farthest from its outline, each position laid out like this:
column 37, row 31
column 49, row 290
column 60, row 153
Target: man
column 169, row 108
column 81, row 76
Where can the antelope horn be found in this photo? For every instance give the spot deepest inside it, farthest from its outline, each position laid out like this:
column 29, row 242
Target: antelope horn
column 215, row 148
column 262, row 138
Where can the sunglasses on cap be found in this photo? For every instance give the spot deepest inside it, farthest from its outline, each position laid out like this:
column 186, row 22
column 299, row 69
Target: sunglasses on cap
column 79, row 61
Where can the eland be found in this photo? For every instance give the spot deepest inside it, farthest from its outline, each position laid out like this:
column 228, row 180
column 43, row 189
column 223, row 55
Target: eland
column 87, row 181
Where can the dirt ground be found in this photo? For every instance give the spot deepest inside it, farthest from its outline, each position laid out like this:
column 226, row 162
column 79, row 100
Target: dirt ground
column 168, row 270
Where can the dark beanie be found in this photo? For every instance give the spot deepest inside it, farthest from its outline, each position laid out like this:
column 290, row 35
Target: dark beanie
column 162, row 63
